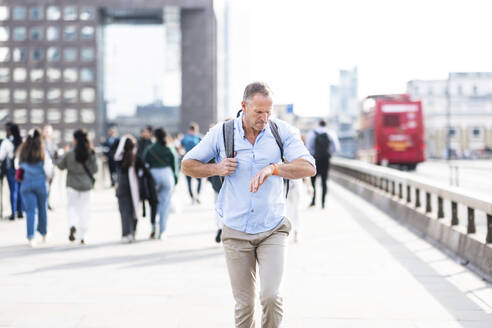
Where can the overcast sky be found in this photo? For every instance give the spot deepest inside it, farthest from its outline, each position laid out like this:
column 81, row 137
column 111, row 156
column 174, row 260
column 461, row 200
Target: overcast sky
column 298, row 47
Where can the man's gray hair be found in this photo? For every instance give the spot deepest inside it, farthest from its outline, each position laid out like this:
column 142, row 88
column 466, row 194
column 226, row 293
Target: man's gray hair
column 254, row 88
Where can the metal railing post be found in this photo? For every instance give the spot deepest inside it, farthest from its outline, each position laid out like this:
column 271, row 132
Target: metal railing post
column 440, row 208
column 428, row 205
column 471, row 228
column 417, row 197
column 488, row 240
column 409, row 197
column 454, row 214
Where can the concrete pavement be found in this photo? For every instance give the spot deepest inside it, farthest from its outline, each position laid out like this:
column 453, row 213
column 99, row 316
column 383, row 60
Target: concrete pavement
column 354, row 267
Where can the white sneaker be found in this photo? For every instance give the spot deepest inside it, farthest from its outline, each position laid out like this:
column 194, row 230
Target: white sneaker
column 31, row 242
column 44, row 239
column 163, row 236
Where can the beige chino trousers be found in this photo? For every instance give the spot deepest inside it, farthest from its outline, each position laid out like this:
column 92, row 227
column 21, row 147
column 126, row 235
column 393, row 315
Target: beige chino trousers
column 242, row 252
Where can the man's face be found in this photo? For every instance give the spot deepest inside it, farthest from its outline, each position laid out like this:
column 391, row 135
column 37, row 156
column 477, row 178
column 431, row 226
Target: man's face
column 257, row 111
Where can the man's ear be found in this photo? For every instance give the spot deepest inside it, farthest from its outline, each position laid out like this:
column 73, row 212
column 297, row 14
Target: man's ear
column 243, row 105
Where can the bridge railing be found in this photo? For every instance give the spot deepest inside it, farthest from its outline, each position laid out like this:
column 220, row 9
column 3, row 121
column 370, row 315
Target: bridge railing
column 421, row 193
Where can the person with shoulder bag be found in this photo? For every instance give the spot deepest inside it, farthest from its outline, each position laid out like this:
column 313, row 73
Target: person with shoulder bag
column 81, row 165
column 37, row 169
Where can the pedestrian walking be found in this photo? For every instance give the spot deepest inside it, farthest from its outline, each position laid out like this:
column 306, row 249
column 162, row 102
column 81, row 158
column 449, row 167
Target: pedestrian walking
column 163, row 163
column 35, row 168
column 81, row 165
column 127, row 190
column 50, row 148
column 110, row 145
column 322, row 144
column 190, row 140
column 8, row 149
column 251, row 202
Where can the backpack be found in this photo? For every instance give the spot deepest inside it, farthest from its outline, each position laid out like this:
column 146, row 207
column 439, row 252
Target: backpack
column 322, row 146
column 228, row 135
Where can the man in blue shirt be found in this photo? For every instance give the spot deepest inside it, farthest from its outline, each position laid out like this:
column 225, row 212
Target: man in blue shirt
column 190, row 140
column 251, row 202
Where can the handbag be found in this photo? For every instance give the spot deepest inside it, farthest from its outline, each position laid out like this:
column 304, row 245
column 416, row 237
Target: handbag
column 19, row 174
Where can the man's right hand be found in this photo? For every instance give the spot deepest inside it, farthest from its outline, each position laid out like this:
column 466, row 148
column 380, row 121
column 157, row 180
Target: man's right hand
column 227, row 166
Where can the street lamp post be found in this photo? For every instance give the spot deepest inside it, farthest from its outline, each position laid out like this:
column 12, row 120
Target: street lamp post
column 448, row 120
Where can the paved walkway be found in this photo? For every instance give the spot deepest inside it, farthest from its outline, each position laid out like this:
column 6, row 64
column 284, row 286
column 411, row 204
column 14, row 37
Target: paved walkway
column 354, row 267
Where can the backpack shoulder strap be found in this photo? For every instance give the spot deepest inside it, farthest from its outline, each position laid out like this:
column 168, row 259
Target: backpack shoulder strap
column 276, row 135
column 228, row 135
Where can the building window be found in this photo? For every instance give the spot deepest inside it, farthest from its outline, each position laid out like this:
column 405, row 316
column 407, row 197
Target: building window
column 476, row 133
column 19, row 54
column 37, row 116
column 19, row 34
column 70, row 75
column 53, row 54
column 87, row 115
column 87, row 33
column 87, row 54
column 20, row 74
column 53, row 115
column 20, row 116
column 86, row 75
column 70, row 33
column 475, row 90
column 68, row 136
column 4, row 74
column 4, row 114
column 37, row 54
column 70, row 96
column 37, row 75
column 451, row 132
column 53, row 13
column 52, row 33
column 19, row 13
column 71, row 116
column 54, row 95
column 87, row 95
column 70, row 13
column 36, row 33
column 460, row 90
column 4, row 13
column 53, row 74
column 4, row 33
column 4, row 54
column 86, row 13
column 4, row 95
column 70, row 54
column 20, row 96
column 37, row 96
column 36, row 13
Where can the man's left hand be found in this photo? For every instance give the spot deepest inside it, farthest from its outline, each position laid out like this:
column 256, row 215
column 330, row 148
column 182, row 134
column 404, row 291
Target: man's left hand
column 260, row 178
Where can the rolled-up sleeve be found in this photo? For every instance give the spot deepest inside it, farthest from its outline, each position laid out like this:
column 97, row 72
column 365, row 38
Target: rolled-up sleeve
column 294, row 148
column 206, row 149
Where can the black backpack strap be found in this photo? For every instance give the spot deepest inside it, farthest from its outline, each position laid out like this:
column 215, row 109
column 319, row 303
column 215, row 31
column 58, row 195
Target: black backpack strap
column 276, row 135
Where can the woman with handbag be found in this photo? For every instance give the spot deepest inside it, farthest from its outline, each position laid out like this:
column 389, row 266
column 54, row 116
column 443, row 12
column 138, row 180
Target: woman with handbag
column 8, row 149
column 37, row 169
column 127, row 190
column 81, row 165
column 163, row 163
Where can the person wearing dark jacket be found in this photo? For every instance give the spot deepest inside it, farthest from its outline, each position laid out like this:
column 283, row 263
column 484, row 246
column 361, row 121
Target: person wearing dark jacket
column 163, row 163
column 81, row 165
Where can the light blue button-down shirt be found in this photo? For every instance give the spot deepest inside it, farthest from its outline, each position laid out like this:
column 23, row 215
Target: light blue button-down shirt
column 239, row 208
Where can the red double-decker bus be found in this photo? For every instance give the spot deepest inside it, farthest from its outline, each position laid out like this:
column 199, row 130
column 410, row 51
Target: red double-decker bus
column 391, row 131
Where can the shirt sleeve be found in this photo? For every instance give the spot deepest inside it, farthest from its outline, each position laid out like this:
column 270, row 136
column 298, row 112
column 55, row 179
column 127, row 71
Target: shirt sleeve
column 208, row 148
column 294, row 148
column 5, row 148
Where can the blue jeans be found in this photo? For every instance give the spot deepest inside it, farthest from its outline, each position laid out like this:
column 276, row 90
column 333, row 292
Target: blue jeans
column 35, row 194
column 164, row 180
column 16, row 202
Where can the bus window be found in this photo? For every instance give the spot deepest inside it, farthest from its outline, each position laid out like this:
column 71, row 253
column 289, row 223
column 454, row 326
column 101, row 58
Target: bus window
column 391, row 120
